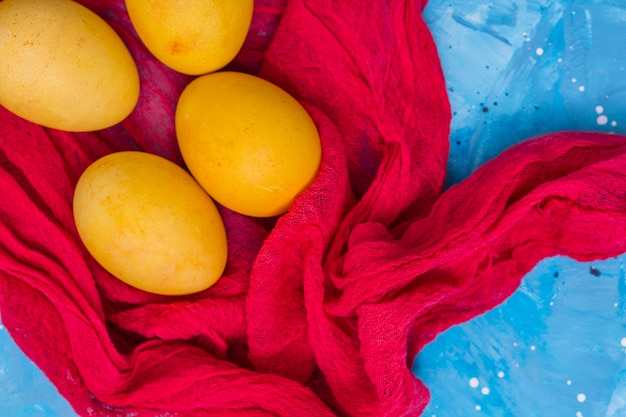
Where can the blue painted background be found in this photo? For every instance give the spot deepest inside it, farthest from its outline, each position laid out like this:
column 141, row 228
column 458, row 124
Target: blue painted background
column 557, row 347
column 516, row 69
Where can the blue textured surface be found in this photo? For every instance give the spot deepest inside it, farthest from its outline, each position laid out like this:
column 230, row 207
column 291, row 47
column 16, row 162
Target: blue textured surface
column 24, row 389
column 557, row 347
column 516, row 69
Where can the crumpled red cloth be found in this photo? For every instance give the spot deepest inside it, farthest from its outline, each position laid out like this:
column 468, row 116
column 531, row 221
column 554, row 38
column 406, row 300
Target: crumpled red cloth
column 322, row 311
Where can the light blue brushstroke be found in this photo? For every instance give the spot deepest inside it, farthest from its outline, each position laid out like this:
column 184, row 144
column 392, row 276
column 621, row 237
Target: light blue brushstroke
column 24, row 389
column 487, row 18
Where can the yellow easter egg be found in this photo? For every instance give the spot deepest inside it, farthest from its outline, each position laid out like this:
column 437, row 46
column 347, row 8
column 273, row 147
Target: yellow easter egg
column 150, row 224
column 250, row 144
column 63, row 66
column 192, row 36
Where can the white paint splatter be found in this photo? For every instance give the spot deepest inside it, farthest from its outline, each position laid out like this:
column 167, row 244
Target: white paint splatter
column 581, row 397
column 569, row 382
column 485, row 391
column 581, row 88
column 574, row 80
column 602, row 120
column 473, row 382
column 539, row 51
column 533, row 347
column 613, row 123
column 623, row 341
column 599, row 109
column 478, row 408
column 579, row 414
column 501, row 374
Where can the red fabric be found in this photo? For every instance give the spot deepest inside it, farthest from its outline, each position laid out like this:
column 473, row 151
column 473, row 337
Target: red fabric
column 321, row 312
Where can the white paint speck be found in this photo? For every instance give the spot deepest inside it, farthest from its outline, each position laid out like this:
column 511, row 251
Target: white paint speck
column 559, row 60
column 539, row 51
column 623, row 341
column 501, row 374
column 551, row 303
column 581, row 88
column 569, row 382
column 581, row 397
column 574, row 80
column 533, row 347
column 515, row 344
column 485, row 391
column 599, row 109
column 613, row 123
column 602, row 120
column 473, row 382
column 579, row 414
column 478, row 408
column 615, row 305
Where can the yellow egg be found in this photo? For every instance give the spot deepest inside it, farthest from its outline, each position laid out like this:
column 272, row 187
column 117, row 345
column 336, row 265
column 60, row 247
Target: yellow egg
column 249, row 143
column 64, row 67
column 192, row 36
column 147, row 222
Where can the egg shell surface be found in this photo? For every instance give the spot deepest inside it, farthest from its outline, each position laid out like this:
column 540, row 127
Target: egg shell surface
column 63, row 66
column 147, row 222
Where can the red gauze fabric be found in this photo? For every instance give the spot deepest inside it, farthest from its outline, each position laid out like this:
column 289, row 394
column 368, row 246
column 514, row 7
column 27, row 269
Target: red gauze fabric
column 321, row 311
